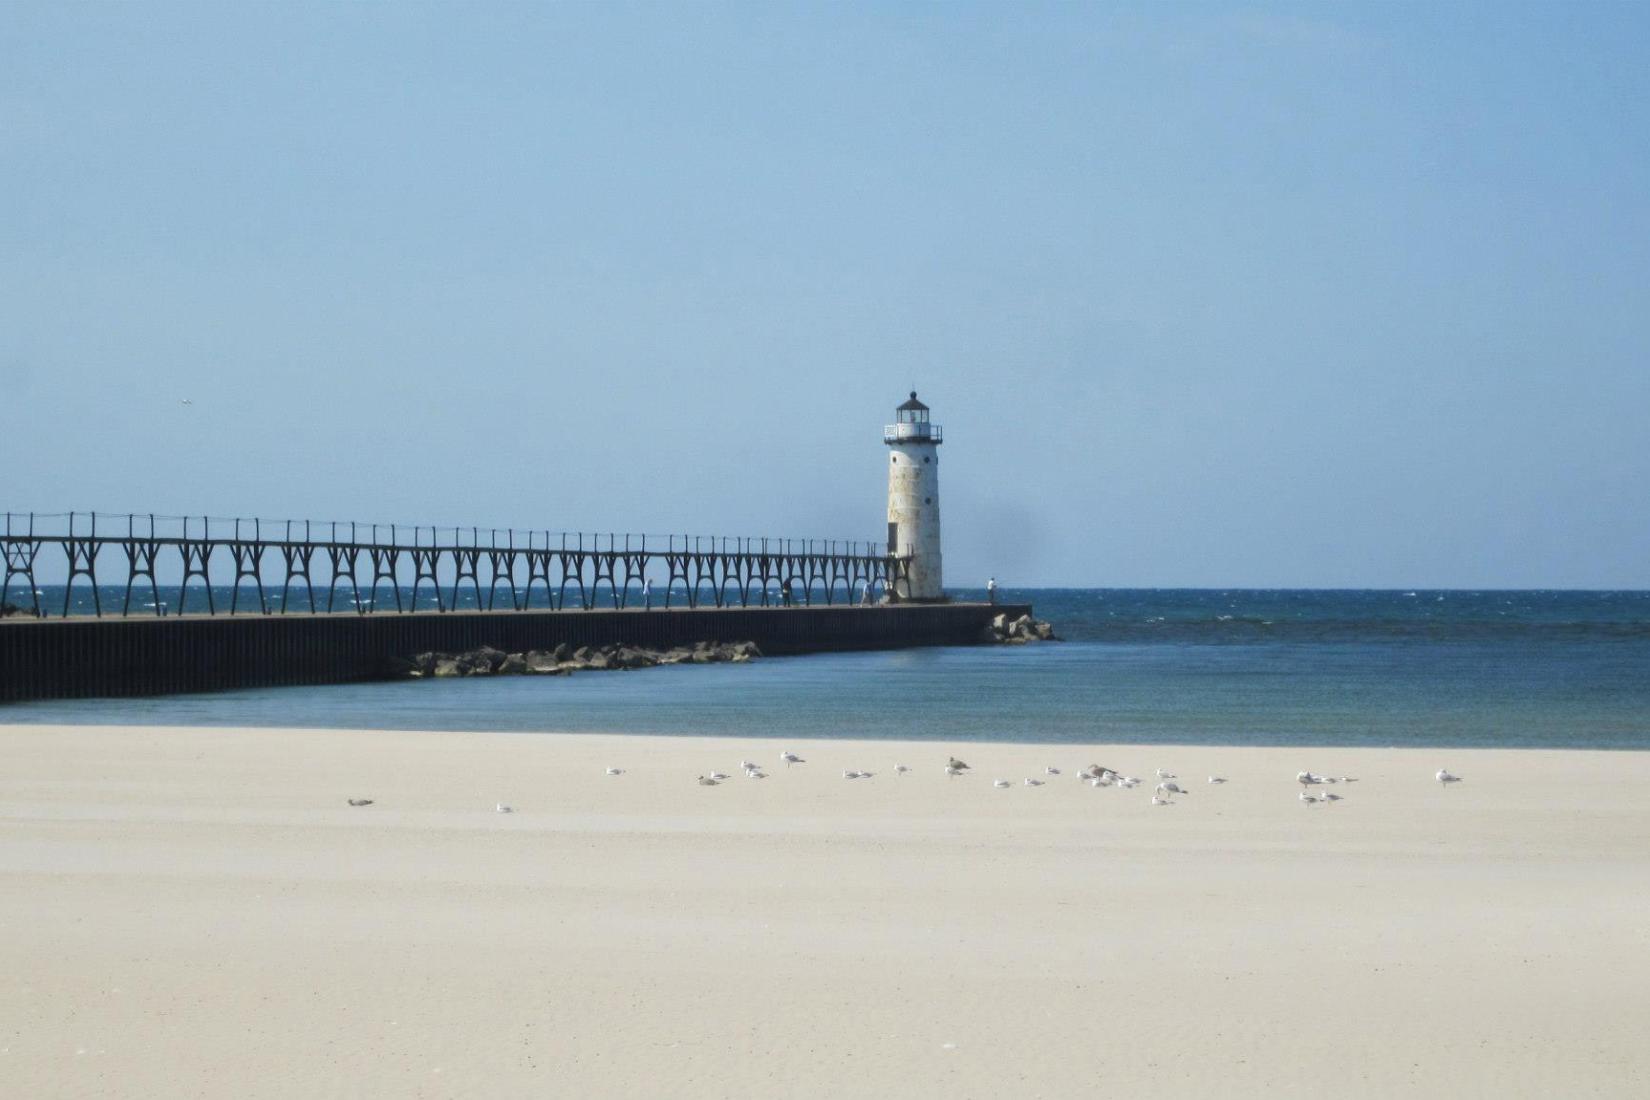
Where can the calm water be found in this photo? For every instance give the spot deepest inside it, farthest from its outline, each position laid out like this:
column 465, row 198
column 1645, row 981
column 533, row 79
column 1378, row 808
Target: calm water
column 1514, row 669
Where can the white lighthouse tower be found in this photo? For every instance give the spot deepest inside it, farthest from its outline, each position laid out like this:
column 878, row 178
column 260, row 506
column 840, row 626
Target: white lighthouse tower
column 914, row 498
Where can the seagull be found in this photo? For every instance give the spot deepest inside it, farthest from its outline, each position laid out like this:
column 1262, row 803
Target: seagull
column 1446, row 778
column 1156, row 801
column 791, row 758
column 1308, row 797
column 706, row 782
column 952, row 770
column 847, row 774
column 1217, row 779
column 999, row 782
column 958, row 764
column 1096, row 782
column 1306, row 779
column 1051, row 771
column 756, row 774
column 1327, row 797
column 187, row 401
column 1128, row 782
column 719, row 776
column 503, row 809
column 1030, row 782
column 360, row 802
column 748, row 766
column 615, row 771
column 900, row 769
column 1169, row 788
column 1161, row 774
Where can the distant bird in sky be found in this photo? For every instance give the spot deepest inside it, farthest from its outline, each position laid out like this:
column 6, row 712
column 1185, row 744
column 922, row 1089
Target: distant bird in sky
column 186, row 401
column 1446, row 778
column 360, row 802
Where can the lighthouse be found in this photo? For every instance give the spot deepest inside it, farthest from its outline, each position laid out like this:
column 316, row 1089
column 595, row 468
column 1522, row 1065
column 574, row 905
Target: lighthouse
column 914, row 498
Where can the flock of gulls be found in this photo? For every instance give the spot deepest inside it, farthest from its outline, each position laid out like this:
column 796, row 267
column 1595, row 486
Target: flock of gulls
column 1095, row 775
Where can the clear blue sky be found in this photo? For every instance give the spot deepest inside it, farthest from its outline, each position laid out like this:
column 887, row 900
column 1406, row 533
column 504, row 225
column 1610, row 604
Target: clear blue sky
column 1272, row 295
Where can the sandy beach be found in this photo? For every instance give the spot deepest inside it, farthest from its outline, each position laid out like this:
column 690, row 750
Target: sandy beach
column 199, row 912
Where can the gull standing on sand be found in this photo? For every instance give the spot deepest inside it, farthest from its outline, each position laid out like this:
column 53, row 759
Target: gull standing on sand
column 1030, row 782
column 1051, row 770
column 952, row 770
column 1161, row 774
column 900, row 769
column 1156, row 801
column 360, row 802
column 706, row 781
column 953, row 762
column 1308, row 797
column 791, row 758
column 615, row 771
column 1446, row 778
column 501, row 808
column 1169, row 788
column 1217, row 779
column 999, row 783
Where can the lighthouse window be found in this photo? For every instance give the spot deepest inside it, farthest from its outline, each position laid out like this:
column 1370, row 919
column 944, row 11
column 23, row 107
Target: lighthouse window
column 928, row 500
column 896, row 459
column 926, row 459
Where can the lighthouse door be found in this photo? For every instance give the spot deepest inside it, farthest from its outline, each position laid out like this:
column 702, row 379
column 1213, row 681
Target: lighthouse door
column 893, row 539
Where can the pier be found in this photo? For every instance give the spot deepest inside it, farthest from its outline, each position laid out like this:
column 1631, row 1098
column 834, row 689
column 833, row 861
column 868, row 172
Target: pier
column 313, row 603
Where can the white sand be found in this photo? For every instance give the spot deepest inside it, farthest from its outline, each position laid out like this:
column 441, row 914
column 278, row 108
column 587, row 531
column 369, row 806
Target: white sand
column 198, row 913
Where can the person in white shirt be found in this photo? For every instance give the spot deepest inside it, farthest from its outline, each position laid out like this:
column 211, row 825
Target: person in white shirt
column 991, row 590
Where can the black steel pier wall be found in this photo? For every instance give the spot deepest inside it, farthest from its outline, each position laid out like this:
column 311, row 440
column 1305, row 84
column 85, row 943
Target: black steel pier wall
column 79, row 657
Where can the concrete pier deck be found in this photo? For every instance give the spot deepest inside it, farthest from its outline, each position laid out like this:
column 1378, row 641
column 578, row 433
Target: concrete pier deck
column 79, row 657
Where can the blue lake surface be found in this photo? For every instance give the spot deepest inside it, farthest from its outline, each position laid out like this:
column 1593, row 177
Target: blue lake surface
column 1474, row 669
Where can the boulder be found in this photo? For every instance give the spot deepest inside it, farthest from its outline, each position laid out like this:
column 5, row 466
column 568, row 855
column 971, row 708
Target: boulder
column 562, row 652
column 449, row 666
column 999, row 625
column 514, row 664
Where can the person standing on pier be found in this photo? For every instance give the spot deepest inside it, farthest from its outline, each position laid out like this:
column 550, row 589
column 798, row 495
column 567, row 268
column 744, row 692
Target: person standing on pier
column 991, row 591
column 647, row 593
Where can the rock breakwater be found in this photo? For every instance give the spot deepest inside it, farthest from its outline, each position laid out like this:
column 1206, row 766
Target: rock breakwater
column 565, row 659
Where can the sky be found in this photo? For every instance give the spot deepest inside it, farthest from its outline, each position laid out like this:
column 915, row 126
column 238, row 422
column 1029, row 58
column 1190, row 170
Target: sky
column 1203, row 295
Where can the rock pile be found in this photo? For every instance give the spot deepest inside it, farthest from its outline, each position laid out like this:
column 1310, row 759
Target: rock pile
column 1006, row 631
column 564, row 659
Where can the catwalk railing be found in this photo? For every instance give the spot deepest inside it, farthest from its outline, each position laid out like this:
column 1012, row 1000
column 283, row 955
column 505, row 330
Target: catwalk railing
column 490, row 568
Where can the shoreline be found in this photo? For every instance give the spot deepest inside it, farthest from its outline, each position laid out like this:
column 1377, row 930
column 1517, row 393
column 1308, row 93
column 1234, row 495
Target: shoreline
column 198, row 910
